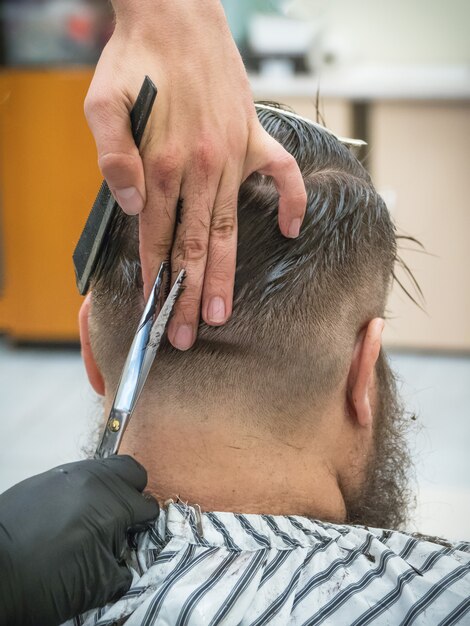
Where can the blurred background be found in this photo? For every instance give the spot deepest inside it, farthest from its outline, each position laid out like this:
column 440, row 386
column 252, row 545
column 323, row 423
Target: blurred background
column 396, row 74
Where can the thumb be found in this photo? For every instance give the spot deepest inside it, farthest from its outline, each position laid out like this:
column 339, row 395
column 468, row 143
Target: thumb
column 118, row 156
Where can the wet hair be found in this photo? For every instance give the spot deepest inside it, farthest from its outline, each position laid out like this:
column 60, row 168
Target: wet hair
column 299, row 304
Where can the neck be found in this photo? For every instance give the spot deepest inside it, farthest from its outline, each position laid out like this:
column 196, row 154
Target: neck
column 240, row 469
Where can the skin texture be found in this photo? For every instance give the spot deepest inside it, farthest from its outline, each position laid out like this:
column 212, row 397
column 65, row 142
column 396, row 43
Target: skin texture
column 203, row 140
column 195, row 457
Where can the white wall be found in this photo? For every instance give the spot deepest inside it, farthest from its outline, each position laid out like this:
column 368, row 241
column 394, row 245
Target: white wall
column 393, row 31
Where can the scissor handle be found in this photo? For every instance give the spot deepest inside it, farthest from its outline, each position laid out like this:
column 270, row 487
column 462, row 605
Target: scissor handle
column 112, row 434
column 139, row 360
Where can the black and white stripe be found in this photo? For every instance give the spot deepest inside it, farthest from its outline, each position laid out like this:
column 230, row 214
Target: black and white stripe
column 252, row 570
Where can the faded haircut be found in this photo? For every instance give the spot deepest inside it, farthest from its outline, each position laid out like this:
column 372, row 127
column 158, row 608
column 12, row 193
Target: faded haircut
column 299, row 304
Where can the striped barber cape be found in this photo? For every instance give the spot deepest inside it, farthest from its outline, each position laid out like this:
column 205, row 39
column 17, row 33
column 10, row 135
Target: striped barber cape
column 224, row 568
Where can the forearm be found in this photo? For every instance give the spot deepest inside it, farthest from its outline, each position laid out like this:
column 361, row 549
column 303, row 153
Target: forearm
column 189, row 37
column 172, row 16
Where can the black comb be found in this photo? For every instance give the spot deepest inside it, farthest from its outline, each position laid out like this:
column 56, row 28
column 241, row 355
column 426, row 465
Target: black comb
column 90, row 245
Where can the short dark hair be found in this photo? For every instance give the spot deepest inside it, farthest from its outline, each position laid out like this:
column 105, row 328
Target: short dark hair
column 298, row 304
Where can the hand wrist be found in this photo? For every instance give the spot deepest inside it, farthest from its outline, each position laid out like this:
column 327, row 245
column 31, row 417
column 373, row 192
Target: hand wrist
column 139, row 13
column 172, row 30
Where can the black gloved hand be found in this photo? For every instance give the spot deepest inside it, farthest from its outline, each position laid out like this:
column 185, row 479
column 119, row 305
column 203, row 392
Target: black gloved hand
column 62, row 535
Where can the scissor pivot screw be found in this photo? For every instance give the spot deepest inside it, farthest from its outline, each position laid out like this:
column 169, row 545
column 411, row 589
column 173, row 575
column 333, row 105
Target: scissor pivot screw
column 114, row 425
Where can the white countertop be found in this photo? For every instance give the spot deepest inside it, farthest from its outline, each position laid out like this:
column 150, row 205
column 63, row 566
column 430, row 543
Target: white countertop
column 371, row 83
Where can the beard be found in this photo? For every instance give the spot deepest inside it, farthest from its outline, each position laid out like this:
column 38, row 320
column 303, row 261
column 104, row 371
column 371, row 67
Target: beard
column 385, row 498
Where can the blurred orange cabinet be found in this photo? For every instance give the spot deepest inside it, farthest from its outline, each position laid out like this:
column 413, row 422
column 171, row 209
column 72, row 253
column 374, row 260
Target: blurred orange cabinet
column 48, row 180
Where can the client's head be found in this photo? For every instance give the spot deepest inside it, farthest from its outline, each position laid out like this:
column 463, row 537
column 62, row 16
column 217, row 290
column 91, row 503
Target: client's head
column 298, row 369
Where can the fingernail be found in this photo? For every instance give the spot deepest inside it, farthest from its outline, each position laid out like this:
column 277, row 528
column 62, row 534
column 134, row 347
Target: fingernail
column 130, row 200
column 216, row 310
column 183, row 337
column 294, row 228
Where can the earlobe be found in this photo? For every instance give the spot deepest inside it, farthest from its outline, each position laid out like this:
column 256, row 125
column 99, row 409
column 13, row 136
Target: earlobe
column 361, row 373
column 94, row 374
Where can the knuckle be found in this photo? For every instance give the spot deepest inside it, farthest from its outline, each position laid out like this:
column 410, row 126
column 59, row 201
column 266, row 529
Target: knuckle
column 167, row 161
column 205, row 155
column 96, row 106
column 190, row 249
column 301, row 197
column 224, row 224
column 115, row 163
column 194, row 249
column 286, row 160
column 160, row 249
column 167, row 168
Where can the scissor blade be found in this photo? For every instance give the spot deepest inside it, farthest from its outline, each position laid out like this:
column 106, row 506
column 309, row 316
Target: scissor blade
column 126, row 393
column 129, row 386
column 158, row 330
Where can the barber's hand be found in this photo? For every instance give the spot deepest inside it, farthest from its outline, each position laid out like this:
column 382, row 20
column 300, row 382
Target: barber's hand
column 62, row 536
column 203, row 140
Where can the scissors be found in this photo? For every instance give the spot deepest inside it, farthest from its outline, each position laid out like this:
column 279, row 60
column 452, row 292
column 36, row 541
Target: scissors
column 141, row 355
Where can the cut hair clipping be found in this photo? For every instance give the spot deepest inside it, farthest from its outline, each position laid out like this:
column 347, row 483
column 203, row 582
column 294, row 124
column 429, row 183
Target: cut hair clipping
column 344, row 140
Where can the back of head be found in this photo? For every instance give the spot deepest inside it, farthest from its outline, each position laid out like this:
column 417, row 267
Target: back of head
column 298, row 305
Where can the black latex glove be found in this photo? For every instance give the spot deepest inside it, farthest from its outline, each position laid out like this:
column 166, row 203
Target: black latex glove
column 62, row 535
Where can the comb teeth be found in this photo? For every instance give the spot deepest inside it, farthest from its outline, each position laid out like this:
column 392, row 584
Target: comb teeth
column 88, row 250
column 106, row 258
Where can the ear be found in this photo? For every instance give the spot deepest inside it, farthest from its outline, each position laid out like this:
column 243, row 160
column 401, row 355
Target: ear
column 361, row 373
column 94, row 374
